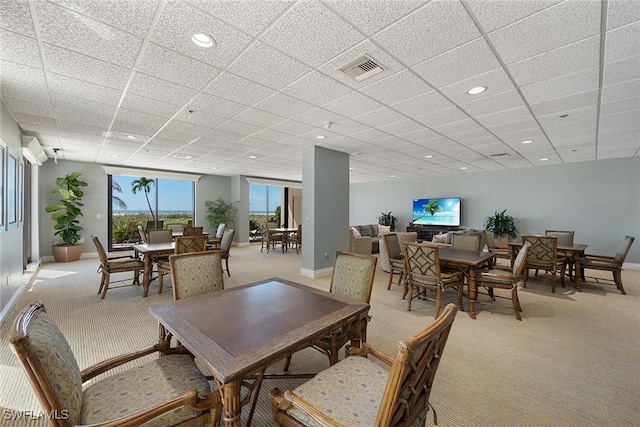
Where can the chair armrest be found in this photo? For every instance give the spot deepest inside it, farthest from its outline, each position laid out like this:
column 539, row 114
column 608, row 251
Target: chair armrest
column 288, row 399
column 497, row 276
column 369, row 350
column 108, row 364
column 600, row 257
column 113, row 258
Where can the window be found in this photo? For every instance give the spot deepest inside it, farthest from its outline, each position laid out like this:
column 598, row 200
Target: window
column 265, row 203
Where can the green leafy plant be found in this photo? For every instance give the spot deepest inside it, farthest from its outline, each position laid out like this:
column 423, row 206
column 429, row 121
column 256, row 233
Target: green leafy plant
column 219, row 212
column 387, row 218
column 143, row 184
column 501, row 224
column 66, row 213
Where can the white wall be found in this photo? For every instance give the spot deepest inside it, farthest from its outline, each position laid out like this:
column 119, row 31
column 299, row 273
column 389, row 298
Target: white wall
column 599, row 200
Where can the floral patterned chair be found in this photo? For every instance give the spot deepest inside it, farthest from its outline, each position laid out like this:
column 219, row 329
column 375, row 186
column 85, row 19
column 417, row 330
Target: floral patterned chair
column 359, row 392
column 196, row 273
column 183, row 245
column 166, row 391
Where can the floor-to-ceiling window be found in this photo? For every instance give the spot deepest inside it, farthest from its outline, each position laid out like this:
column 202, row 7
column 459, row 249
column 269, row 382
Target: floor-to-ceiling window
column 148, row 202
column 265, row 202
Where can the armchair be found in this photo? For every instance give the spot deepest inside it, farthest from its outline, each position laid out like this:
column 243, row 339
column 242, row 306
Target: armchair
column 169, row 390
column 609, row 263
column 359, row 392
column 115, row 264
column 543, row 255
column 183, row 245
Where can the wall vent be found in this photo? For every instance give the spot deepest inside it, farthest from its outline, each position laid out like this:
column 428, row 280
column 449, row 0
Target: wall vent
column 362, row 68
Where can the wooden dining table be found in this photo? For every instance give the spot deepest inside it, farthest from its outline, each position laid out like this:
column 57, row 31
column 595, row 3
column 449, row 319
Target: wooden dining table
column 148, row 251
column 576, row 252
column 469, row 262
column 286, row 232
column 238, row 332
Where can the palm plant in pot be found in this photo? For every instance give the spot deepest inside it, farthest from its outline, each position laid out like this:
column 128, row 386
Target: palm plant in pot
column 65, row 214
column 219, row 212
column 503, row 227
column 387, row 218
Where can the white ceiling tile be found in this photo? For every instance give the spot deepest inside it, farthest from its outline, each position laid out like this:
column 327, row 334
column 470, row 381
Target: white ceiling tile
column 569, row 84
column 94, row 133
column 22, row 82
column 318, row 34
column 621, row 71
column 155, row 88
column 318, row 116
column 565, row 103
column 414, row 42
column 622, row 42
column 242, row 128
column 267, row 66
column 84, row 90
column 316, row 88
column 73, row 31
column 396, row 87
column 259, row 117
column 179, row 21
column 376, row 15
column 493, row 14
column 168, row 65
column 548, row 121
column 16, row 16
column 82, row 111
column 441, row 117
column 420, row 135
column 505, row 116
column 370, row 135
column 621, row 12
column 630, row 89
column 456, row 127
column 18, row 48
column 284, row 105
column 570, row 20
column 252, row 16
column 495, row 81
column 458, row 64
column 353, row 104
column 272, row 135
column 216, row 105
column 380, row 117
column 200, row 118
column 524, row 125
column 422, row 104
column 43, row 108
column 629, row 104
column 83, row 67
column 222, row 135
column 31, row 119
column 620, row 121
column 292, row 127
column 557, row 62
column 492, row 104
column 238, row 89
column 148, row 105
column 348, row 127
column 402, row 127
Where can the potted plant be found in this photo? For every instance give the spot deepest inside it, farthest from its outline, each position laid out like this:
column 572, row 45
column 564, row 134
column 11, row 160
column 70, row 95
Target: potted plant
column 388, row 219
column 503, row 227
column 219, row 212
column 65, row 214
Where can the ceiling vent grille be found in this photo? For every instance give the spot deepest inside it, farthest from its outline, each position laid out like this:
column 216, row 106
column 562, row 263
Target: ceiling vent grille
column 362, row 68
column 500, row 155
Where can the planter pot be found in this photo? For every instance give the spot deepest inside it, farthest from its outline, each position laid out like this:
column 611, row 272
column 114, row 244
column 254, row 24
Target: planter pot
column 66, row 253
column 502, row 242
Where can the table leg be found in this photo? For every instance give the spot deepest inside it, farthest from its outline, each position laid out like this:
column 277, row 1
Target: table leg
column 147, row 274
column 231, row 404
column 473, row 292
column 576, row 271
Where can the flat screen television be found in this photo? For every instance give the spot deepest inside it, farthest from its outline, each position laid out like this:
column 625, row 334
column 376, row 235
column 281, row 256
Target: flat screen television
column 437, row 211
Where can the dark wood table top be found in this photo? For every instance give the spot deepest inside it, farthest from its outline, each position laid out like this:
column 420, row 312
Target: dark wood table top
column 577, row 247
column 236, row 331
column 154, row 247
column 471, row 258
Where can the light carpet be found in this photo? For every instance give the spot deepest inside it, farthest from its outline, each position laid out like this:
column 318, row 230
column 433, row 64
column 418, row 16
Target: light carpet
column 572, row 361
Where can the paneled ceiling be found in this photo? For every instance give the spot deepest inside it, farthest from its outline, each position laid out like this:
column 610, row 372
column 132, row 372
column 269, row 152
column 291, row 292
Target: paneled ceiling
column 88, row 76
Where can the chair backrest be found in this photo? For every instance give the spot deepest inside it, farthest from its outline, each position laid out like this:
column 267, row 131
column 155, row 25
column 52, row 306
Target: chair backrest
column 192, row 231
column 422, row 262
column 220, row 230
column 101, row 252
column 466, row 241
column 299, row 234
column 227, row 239
column 143, row 235
column 518, row 264
column 152, row 226
column 490, row 239
column 565, row 237
column 159, row 236
column 412, row 372
column 392, row 246
column 353, row 276
column 49, row 363
column 271, row 224
column 175, row 227
column 623, row 250
column 196, row 273
column 187, row 244
column 542, row 249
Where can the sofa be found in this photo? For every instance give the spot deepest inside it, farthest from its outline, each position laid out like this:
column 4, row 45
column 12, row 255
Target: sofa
column 365, row 239
column 446, row 237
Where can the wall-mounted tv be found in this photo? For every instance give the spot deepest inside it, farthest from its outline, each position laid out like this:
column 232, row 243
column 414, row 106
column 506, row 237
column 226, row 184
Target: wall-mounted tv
column 440, row 211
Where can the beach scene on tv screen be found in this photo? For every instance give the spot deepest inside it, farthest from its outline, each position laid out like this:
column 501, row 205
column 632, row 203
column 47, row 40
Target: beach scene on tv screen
column 441, row 211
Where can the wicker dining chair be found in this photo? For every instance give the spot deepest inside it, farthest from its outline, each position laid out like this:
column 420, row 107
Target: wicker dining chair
column 423, row 273
column 466, row 241
column 116, row 264
column 168, row 390
column 396, row 260
column 143, row 234
column 225, row 247
column 151, row 225
column 183, row 245
column 608, row 263
column 358, row 392
column 504, row 278
column 192, row 231
column 214, row 241
column 565, row 238
column 543, row 255
column 296, row 239
column 270, row 238
column 196, row 273
column 175, row 228
column 504, row 253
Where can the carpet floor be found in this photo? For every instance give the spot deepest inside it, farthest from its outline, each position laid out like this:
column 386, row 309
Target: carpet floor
column 572, row 361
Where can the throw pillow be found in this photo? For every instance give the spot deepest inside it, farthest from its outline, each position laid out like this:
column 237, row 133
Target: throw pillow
column 383, row 229
column 355, row 232
column 439, row 238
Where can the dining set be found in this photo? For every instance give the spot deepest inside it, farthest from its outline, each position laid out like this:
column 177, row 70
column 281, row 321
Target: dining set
column 286, row 237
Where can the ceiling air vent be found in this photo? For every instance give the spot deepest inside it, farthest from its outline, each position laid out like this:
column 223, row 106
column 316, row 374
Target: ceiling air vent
column 362, row 68
column 500, row 155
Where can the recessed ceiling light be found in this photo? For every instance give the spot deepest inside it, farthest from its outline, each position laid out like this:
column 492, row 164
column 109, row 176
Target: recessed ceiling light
column 131, row 137
column 320, row 137
column 392, row 176
column 544, row 159
column 115, row 156
column 182, row 156
column 476, row 90
column 253, row 157
column 202, row 40
column 463, row 168
column 528, row 141
column 428, row 156
column 350, row 169
column 213, row 167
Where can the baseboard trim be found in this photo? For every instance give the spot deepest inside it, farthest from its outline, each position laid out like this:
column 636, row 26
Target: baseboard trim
column 314, row 274
column 631, row 266
column 31, row 272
